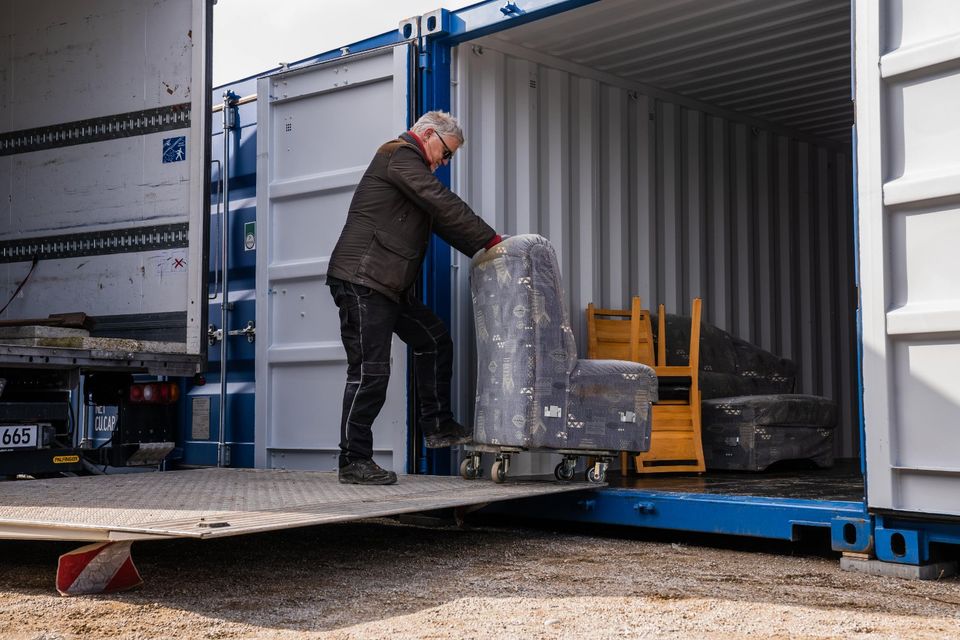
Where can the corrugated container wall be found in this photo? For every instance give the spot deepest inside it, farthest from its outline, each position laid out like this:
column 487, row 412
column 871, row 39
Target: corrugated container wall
column 647, row 196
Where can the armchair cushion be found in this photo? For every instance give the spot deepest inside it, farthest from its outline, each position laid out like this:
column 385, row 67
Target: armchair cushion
column 607, row 400
column 752, row 432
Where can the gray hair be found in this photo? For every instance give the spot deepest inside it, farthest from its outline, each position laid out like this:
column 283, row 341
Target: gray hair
column 441, row 122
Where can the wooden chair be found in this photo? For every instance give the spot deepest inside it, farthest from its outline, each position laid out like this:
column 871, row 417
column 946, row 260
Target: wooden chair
column 675, row 442
column 675, row 438
column 614, row 334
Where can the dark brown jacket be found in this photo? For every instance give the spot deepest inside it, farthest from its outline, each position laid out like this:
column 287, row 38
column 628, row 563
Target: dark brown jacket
column 396, row 206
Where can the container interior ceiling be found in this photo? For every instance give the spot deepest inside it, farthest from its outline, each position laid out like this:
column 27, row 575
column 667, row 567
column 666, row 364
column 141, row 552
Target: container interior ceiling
column 681, row 149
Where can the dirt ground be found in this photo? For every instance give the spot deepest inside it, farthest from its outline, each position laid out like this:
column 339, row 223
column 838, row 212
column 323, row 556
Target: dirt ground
column 383, row 579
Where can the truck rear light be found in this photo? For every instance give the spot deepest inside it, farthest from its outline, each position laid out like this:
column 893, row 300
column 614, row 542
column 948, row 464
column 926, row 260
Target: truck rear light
column 154, row 393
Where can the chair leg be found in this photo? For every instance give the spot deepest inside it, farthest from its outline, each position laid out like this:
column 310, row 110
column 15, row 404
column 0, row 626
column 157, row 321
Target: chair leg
column 624, row 464
column 638, row 464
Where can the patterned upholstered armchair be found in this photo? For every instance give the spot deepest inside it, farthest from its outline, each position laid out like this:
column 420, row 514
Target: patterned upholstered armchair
column 532, row 390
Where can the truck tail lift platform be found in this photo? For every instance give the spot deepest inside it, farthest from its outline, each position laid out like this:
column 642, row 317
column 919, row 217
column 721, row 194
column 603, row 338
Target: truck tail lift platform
column 116, row 510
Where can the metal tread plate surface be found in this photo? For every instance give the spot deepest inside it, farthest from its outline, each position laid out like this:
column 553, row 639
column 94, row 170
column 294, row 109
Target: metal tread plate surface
column 208, row 503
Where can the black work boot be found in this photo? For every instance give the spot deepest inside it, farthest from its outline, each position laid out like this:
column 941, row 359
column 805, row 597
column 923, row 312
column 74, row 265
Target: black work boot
column 451, row 434
column 366, row 472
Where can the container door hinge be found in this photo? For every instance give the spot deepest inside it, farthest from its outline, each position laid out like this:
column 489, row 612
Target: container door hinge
column 214, row 335
column 423, row 60
column 250, row 331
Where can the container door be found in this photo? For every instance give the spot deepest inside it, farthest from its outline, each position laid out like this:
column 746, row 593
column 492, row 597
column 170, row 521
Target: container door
column 318, row 128
column 908, row 133
column 104, row 112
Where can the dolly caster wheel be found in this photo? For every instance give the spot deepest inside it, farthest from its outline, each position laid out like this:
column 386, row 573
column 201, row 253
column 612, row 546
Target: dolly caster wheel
column 565, row 470
column 597, row 474
column 470, row 468
column 498, row 472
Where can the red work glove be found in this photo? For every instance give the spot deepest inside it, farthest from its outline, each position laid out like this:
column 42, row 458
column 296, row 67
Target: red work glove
column 494, row 241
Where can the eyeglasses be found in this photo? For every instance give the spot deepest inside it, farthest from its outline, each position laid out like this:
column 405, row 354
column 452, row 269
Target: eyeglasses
column 447, row 154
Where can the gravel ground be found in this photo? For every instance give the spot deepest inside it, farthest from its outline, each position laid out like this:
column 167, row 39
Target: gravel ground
column 381, row 579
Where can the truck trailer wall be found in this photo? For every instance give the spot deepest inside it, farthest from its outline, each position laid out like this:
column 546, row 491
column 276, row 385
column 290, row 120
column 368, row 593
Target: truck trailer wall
column 642, row 195
column 103, row 138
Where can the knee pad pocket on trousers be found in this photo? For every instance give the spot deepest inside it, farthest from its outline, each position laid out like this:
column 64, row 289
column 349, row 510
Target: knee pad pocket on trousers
column 376, row 368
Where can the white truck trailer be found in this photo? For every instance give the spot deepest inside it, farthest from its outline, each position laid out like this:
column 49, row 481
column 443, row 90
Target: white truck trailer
column 104, row 149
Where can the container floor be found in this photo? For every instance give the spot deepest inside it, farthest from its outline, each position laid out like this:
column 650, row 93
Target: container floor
column 843, row 482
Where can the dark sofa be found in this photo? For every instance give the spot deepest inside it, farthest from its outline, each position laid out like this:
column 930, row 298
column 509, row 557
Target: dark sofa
column 751, row 417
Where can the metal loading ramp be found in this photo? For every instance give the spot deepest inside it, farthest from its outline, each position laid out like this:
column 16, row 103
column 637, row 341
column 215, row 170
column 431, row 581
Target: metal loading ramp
column 210, row 503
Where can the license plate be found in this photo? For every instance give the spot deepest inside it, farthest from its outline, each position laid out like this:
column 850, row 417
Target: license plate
column 19, row 436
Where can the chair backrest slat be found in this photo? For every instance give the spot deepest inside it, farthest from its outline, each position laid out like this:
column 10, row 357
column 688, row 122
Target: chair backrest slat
column 616, row 334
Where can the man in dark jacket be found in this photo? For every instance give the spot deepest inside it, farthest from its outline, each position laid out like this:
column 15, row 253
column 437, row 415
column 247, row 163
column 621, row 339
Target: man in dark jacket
column 396, row 207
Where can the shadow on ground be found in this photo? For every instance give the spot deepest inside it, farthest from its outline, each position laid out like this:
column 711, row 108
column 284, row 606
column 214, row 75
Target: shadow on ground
column 337, row 576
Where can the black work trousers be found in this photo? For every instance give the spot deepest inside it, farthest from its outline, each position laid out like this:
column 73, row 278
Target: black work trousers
column 368, row 320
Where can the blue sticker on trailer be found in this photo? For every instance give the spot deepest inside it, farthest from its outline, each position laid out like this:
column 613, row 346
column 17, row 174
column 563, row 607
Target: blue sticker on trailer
column 174, row 149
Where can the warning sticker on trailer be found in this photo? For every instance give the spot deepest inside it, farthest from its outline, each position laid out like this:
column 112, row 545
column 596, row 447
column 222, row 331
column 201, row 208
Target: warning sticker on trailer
column 174, row 149
column 200, row 426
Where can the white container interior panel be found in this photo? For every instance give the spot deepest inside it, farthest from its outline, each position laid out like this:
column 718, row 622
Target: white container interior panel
column 302, row 310
column 924, row 376
column 101, row 185
column 907, row 29
column 923, row 490
column 72, row 60
column 908, row 95
column 305, row 414
column 318, row 129
column 293, row 215
column 327, row 131
column 303, row 403
column 118, row 284
column 926, row 158
column 924, row 263
column 306, row 406
column 643, row 196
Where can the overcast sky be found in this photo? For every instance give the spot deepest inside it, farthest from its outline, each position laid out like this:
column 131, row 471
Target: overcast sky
column 250, row 36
